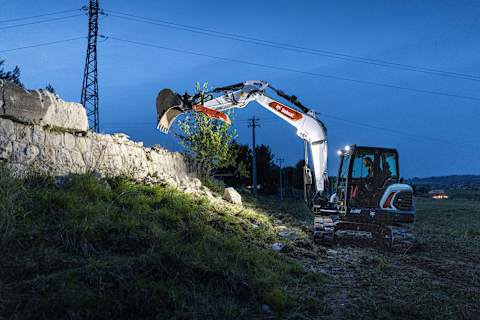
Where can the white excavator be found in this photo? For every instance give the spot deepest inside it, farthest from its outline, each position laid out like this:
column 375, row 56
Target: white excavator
column 367, row 201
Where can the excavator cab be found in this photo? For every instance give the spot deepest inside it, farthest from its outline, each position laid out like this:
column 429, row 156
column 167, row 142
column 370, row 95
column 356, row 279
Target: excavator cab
column 369, row 186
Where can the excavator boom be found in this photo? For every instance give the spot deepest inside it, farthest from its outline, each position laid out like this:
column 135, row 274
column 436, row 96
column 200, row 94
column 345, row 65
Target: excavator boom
column 213, row 104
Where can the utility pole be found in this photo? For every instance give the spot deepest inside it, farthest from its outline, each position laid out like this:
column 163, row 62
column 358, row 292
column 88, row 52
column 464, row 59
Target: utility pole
column 253, row 123
column 89, row 98
column 280, row 162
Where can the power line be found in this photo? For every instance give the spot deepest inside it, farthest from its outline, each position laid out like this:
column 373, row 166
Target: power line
column 328, row 76
column 388, row 130
column 39, row 15
column 40, row 21
column 42, row 44
column 290, row 47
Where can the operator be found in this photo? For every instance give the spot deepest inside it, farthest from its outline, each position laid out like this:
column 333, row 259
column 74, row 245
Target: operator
column 368, row 164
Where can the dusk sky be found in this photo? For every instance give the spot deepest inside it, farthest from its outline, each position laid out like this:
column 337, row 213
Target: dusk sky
column 436, row 134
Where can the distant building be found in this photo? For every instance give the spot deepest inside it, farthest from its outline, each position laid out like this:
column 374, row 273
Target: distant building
column 438, row 194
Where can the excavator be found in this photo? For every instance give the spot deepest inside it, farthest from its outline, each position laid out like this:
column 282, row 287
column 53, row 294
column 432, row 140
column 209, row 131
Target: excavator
column 366, row 202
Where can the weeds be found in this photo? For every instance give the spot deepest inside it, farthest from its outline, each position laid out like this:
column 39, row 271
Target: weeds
column 123, row 250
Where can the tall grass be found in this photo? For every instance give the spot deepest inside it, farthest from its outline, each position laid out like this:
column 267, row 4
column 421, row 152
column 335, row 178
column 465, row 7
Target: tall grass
column 87, row 250
column 10, row 193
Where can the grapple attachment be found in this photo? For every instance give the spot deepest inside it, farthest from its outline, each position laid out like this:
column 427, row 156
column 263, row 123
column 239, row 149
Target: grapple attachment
column 169, row 107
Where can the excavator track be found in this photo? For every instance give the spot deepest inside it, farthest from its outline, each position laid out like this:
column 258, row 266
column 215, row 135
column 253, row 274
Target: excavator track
column 400, row 239
column 324, row 229
column 328, row 230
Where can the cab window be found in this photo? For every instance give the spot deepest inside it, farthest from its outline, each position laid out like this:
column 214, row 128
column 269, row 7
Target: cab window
column 344, row 168
column 363, row 166
column 388, row 165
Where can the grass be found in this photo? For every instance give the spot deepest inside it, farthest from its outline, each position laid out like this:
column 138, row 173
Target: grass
column 91, row 250
column 440, row 280
column 87, row 250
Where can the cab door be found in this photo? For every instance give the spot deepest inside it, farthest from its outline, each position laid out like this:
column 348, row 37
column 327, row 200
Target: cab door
column 342, row 182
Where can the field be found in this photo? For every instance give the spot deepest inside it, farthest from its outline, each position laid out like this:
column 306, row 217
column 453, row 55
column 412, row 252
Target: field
column 439, row 280
column 88, row 249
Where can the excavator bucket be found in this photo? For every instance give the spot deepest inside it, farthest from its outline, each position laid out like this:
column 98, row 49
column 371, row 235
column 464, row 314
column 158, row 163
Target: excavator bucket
column 169, row 107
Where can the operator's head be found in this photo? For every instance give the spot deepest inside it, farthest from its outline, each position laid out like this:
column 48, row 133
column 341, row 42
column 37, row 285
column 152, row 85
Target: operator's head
column 367, row 162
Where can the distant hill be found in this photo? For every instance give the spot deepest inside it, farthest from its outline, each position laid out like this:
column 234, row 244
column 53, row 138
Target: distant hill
column 454, row 181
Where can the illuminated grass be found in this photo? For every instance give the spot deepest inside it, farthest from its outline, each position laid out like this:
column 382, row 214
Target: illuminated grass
column 88, row 250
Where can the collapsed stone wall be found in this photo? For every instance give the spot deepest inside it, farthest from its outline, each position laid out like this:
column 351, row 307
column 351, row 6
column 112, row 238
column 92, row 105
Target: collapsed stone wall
column 38, row 130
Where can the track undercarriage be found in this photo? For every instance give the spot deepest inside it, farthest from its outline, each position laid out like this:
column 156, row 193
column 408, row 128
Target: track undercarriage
column 330, row 229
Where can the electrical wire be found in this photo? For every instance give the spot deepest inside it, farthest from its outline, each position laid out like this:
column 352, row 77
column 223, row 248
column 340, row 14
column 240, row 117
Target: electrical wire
column 39, row 15
column 290, row 47
column 322, row 75
column 40, row 21
column 387, row 130
column 42, row 44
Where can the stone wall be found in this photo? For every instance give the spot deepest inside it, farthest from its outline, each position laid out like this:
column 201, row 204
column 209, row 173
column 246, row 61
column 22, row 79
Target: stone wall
column 40, row 131
column 40, row 107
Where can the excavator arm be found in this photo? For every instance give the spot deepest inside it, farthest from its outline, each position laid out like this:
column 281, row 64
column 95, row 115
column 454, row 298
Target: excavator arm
column 213, row 104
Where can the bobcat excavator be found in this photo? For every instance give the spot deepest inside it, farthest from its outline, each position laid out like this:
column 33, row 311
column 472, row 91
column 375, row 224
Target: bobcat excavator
column 367, row 202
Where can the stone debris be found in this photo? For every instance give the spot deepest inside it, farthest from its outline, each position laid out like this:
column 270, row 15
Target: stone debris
column 288, row 234
column 231, row 195
column 277, row 246
column 266, row 309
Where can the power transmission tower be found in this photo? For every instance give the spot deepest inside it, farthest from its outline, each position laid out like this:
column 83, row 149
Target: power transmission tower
column 280, row 163
column 253, row 123
column 89, row 98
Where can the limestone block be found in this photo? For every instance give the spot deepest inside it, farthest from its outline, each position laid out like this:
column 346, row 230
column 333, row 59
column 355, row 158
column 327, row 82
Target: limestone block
column 53, row 139
column 77, row 160
column 69, row 141
column 83, row 144
column 38, row 135
column 63, row 158
column 42, row 108
column 47, row 155
column 23, row 133
column 24, row 153
column 6, row 148
column 90, row 160
column 231, row 195
column 7, row 128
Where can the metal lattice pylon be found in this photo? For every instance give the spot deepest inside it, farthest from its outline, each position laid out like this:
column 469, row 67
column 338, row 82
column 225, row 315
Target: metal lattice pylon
column 89, row 97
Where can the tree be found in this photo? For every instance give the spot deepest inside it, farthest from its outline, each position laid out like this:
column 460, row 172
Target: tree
column 50, row 88
column 238, row 174
column 209, row 142
column 13, row 76
column 266, row 170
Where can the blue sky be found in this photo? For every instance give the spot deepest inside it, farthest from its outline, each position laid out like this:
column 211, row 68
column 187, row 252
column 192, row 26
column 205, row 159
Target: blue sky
column 441, row 35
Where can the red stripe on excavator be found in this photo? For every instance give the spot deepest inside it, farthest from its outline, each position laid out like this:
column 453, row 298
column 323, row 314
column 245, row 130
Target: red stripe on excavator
column 212, row 114
column 286, row 111
column 388, row 202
